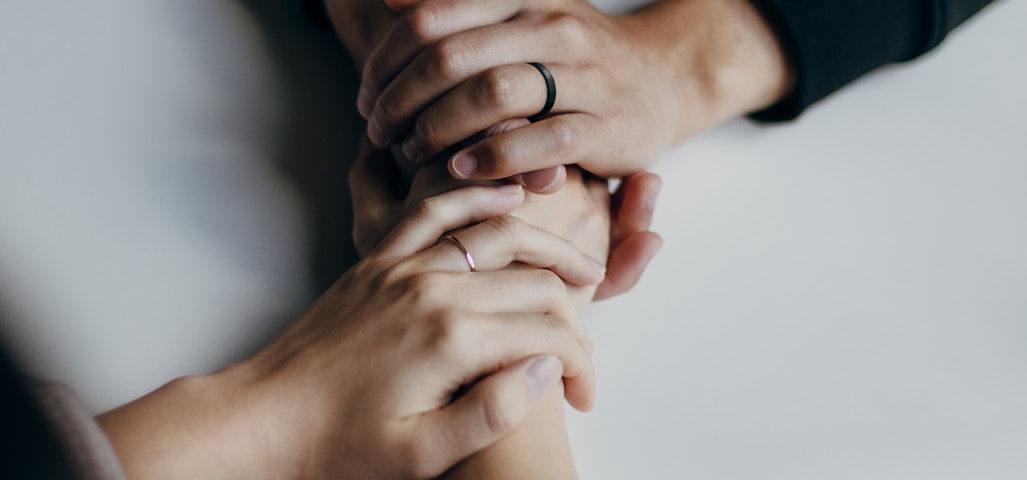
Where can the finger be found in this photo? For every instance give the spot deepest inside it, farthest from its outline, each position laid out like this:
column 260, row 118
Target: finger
column 545, row 181
column 636, row 202
column 488, row 412
column 500, row 241
column 422, row 25
column 560, row 140
column 525, row 290
column 496, row 94
column 628, row 261
column 449, row 62
column 469, row 344
column 434, row 216
column 632, row 246
column 400, row 6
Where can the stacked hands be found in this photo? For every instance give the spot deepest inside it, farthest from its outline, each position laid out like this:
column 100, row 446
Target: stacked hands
column 435, row 357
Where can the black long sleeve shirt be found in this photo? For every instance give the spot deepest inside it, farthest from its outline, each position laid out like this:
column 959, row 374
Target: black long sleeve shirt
column 832, row 42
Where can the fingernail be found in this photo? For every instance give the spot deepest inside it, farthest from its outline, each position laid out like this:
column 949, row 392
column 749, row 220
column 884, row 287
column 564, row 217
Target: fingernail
column 365, row 104
column 542, row 374
column 412, row 147
column 645, row 263
column 540, row 180
column 596, row 264
column 464, row 165
column 510, row 188
column 650, row 200
column 376, row 133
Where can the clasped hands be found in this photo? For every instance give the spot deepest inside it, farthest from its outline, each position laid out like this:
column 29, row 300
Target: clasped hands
column 409, row 364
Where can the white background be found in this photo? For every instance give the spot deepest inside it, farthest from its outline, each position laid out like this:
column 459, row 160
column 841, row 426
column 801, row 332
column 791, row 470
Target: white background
column 841, row 297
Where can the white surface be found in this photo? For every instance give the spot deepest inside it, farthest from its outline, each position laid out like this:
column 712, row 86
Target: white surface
column 144, row 233
column 841, row 297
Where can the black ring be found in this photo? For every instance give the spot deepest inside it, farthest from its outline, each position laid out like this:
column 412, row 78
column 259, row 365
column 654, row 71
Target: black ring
column 550, row 91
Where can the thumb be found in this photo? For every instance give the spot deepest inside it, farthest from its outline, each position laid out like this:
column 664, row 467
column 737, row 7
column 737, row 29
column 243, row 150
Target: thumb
column 492, row 408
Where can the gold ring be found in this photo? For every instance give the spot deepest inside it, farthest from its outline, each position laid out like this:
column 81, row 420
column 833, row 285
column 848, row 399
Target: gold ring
column 467, row 255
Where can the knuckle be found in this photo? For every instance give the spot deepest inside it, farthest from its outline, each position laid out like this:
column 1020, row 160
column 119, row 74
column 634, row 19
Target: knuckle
column 506, row 226
column 388, row 108
column 424, row 21
column 427, row 210
column 448, row 335
column 389, row 277
column 430, row 129
column 497, row 88
column 563, row 137
column 570, row 30
column 450, row 59
column 421, row 288
column 496, row 413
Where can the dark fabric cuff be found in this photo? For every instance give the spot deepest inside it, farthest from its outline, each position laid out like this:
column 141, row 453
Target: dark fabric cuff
column 832, row 42
column 88, row 450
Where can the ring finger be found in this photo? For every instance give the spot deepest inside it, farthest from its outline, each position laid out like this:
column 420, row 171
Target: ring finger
column 496, row 243
column 449, row 62
column 497, row 94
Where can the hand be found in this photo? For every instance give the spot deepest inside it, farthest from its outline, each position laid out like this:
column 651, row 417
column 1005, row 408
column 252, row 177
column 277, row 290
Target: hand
column 452, row 68
column 407, row 365
column 629, row 87
column 378, row 206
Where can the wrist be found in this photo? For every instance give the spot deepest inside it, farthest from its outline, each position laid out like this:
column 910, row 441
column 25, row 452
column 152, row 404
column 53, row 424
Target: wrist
column 721, row 57
column 193, row 427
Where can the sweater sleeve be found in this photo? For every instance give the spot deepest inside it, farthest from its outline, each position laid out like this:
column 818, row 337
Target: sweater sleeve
column 832, row 42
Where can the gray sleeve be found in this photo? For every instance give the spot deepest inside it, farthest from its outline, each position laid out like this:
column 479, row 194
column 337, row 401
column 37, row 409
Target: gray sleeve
column 89, row 452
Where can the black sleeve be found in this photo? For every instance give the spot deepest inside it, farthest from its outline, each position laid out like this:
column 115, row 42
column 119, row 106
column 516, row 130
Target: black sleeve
column 832, row 42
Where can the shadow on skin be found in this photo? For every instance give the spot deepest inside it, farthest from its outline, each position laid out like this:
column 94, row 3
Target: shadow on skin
column 318, row 134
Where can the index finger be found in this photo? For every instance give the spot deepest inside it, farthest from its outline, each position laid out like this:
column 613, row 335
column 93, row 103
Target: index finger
column 424, row 24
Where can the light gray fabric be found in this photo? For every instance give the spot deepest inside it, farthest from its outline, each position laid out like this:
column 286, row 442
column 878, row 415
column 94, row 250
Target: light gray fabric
column 89, row 451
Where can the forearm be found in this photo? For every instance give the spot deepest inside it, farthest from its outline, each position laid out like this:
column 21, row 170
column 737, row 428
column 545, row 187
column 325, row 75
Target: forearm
column 538, row 449
column 720, row 57
column 193, row 427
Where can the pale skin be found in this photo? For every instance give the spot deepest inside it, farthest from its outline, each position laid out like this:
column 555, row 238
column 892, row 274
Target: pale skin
column 362, row 384
column 538, row 448
column 632, row 86
column 286, row 413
